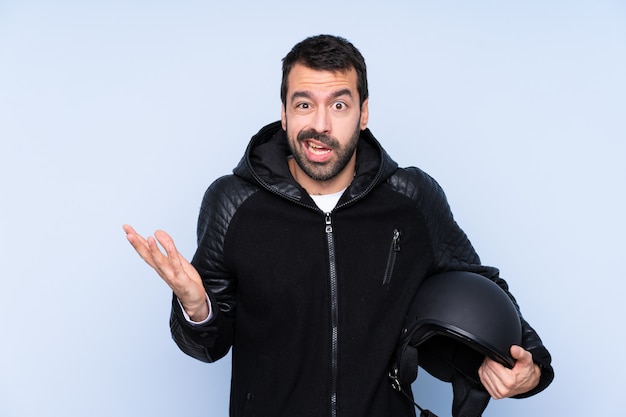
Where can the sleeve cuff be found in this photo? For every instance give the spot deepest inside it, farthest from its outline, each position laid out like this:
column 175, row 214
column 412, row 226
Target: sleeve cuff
column 197, row 323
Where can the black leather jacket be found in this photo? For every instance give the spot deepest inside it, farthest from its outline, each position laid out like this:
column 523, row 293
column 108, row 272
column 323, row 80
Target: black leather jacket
column 312, row 303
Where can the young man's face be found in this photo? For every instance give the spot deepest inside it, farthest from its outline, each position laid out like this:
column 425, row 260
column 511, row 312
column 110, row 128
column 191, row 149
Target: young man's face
column 323, row 119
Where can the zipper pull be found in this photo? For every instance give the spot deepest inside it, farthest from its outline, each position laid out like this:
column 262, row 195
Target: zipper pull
column 329, row 226
column 395, row 243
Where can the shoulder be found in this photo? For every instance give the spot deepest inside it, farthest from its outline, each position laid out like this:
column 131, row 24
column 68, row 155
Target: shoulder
column 221, row 201
column 416, row 185
column 227, row 191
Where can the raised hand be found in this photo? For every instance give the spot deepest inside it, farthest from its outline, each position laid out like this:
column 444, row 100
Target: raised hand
column 174, row 269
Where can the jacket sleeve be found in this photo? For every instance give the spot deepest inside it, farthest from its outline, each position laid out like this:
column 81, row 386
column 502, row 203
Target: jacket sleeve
column 212, row 340
column 452, row 250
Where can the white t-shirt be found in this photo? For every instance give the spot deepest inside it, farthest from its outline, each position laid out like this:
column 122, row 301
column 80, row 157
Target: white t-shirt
column 327, row 202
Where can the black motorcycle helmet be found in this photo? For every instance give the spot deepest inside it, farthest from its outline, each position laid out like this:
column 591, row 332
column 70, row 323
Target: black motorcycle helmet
column 455, row 320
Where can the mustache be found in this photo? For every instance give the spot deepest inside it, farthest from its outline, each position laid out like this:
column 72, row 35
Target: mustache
column 320, row 137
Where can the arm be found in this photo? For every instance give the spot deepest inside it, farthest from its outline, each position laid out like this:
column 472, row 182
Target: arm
column 189, row 293
column 452, row 250
column 205, row 338
column 212, row 340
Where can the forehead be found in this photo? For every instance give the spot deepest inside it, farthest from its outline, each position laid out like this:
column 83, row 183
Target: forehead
column 302, row 78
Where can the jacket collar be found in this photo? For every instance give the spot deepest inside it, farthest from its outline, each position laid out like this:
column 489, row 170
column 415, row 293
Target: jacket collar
column 265, row 163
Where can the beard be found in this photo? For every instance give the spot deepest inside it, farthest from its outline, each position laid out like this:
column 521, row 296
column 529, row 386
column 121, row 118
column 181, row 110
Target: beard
column 323, row 171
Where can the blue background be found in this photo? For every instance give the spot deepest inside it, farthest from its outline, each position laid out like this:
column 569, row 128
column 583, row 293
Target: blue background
column 117, row 112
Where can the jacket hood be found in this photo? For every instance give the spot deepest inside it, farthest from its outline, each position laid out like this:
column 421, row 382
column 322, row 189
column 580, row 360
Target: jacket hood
column 265, row 164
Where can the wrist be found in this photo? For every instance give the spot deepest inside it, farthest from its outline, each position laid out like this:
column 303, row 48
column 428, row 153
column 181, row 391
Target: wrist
column 197, row 313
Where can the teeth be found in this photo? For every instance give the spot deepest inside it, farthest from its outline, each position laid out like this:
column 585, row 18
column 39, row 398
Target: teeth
column 318, row 149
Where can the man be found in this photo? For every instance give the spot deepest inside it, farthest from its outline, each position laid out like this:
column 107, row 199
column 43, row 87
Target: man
column 310, row 254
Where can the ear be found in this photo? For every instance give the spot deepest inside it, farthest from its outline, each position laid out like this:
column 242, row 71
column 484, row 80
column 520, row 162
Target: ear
column 283, row 117
column 365, row 114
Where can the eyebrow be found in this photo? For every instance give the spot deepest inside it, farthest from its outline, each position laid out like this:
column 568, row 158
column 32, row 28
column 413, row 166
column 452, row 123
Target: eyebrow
column 335, row 94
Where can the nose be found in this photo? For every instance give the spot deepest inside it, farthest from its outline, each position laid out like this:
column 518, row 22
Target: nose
column 321, row 121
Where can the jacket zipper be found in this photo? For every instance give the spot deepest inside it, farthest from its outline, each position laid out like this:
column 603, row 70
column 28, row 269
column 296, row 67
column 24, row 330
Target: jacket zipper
column 332, row 267
column 334, row 306
column 391, row 258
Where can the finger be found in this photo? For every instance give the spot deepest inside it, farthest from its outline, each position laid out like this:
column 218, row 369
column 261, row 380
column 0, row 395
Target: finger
column 138, row 242
column 132, row 234
column 487, row 379
column 516, row 351
column 167, row 243
column 156, row 255
column 521, row 355
column 492, row 387
column 167, row 264
column 490, row 366
column 498, row 380
column 128, row 229
column 173, row 255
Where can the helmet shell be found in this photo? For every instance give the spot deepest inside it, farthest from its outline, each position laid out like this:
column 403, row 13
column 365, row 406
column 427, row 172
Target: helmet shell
column 455, row 320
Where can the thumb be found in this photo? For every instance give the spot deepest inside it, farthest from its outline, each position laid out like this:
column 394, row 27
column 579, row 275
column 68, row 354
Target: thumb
column 520, row 354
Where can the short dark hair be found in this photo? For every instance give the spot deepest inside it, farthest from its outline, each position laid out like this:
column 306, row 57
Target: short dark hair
column 326, row 53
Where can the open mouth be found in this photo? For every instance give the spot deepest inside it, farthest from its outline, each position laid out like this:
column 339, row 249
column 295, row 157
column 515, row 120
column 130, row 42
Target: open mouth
column 317, row 148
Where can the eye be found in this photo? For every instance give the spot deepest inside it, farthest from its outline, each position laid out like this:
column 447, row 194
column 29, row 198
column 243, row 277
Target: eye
column 339, row 105
column 303, row 106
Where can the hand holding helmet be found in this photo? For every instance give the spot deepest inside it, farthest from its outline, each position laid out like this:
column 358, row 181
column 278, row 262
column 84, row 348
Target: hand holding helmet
column 502, row 382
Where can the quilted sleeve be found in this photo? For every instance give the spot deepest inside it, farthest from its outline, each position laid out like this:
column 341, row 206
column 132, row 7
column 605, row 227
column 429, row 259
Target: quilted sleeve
column 210, row 341
column 452, row 250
